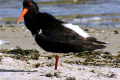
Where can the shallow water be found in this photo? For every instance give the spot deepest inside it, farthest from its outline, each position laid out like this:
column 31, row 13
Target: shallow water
column 95, row 13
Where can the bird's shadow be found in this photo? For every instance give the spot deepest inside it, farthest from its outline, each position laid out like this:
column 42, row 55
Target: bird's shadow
column 4, row 70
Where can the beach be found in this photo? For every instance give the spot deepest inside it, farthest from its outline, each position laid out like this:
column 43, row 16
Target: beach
column 22, row 59
column 70, row 67
column 18, row 35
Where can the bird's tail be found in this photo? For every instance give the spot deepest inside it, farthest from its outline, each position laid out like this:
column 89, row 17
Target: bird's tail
column 99, row 42
column 100, row 46
column 92, row 39
column 93, row 47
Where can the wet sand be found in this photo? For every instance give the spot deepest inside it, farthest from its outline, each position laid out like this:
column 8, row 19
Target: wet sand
column 14, row 69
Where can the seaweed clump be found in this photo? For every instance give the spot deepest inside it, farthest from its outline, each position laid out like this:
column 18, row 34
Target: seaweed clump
column 97, row 58
column 22, row 54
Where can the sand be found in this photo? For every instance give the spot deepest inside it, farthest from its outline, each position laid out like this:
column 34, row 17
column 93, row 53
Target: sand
column 14, row 69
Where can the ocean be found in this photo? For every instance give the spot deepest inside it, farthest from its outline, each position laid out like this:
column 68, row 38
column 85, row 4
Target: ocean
column 91, row 13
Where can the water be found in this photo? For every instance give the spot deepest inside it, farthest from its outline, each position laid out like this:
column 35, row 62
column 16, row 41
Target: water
column 101, row 13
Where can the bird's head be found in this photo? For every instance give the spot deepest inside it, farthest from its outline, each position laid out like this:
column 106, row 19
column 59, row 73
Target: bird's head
column 29, row 6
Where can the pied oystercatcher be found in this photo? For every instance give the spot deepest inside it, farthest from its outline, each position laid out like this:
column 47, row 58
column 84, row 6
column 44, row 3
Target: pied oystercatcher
column 54, row 35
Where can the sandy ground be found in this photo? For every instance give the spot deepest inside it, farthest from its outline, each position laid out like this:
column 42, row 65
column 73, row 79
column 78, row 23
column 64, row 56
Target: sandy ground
column 13, row 69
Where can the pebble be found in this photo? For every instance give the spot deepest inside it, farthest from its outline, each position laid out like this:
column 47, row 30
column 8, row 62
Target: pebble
column 37, row 65
column 57, row 74
column 49, row 75
column 116, row 32
column 70, row 78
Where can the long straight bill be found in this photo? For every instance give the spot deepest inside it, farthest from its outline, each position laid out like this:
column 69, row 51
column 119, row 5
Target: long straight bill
column 25, row 10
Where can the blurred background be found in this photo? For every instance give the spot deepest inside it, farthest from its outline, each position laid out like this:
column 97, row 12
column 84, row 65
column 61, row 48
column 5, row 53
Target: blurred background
column 91, row 13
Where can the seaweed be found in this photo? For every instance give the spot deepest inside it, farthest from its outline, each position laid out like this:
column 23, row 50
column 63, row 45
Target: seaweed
column 22, row 54
column 96, row 58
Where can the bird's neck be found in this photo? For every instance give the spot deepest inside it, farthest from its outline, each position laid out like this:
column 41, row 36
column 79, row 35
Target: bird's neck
column 32, row 15
column 30, row 22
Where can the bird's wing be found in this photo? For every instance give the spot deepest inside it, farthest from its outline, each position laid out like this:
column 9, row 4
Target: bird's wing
column 57, row 45
column 60, row 30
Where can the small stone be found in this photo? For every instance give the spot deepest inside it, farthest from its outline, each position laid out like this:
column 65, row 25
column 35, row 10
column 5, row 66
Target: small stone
column 111, row 75
column 92, row 71
column 49, row 64
column 49, row 75
column 56, row 74
column 116, row 32
column 1, row 26
column 49, row 57
column 37, row 65
column 28, row 62
column 70, row 78
column 118, row 55
column 86, row 30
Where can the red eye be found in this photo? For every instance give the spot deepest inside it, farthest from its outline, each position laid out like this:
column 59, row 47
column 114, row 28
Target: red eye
column 30, row 4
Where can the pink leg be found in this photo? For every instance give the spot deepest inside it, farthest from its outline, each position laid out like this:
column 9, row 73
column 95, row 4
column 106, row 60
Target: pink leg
column 56, row 63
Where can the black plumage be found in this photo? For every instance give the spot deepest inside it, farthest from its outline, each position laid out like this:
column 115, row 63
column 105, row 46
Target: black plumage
column 51, row 35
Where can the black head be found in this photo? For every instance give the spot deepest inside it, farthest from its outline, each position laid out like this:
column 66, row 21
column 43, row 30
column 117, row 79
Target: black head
column 26, row 3
column 29, row 7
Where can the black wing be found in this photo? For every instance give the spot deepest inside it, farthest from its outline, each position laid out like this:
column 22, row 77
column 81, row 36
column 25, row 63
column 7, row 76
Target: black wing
column 64, row 46
column 53, row 27
column 57, row 38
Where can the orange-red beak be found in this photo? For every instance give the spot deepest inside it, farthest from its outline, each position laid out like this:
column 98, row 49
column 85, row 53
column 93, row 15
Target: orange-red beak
column 25, row 10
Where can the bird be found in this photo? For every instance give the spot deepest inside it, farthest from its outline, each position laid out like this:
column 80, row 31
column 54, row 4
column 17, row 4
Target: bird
column 54, row 35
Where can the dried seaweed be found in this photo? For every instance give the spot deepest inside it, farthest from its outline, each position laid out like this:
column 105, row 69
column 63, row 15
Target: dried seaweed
column 22, row 54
